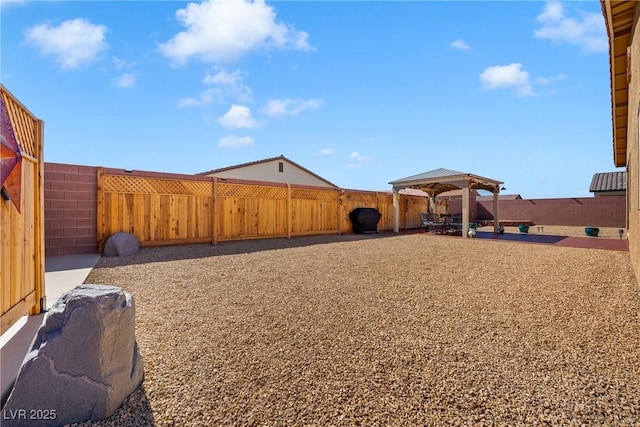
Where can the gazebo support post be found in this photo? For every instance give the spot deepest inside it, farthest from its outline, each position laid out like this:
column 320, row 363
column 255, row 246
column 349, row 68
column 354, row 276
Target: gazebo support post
column 396, row 213
column 496, row 217
column 465, row 209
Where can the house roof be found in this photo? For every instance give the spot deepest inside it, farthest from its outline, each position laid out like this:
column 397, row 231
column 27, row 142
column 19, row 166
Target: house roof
column 609, row 181
column 257, row 162
column 619, row 19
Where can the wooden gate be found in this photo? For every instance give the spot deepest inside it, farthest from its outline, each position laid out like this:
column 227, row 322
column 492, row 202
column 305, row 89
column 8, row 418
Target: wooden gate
column 22, row 231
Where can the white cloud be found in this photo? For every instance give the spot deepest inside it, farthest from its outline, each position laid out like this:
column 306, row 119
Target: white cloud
column 239, row 116
column 459, row 44
column 290, row 107
column 354, row 165
column 222, row 31
column 231, row 83
column 233, row 141
column 205, row 97
column 326, row 151
column 510, row 76
column 121, row 64
column 549, row 80
column 125, row 81
column 586, row 31
column 73, row 42
column 357, row 156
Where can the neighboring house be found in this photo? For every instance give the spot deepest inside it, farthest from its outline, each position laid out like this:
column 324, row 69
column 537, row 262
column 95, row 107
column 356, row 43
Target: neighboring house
column 609, row 184
column 275, row 169
column 621, row 20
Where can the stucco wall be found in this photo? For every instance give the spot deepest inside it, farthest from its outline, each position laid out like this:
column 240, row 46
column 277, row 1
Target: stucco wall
column 269, row 171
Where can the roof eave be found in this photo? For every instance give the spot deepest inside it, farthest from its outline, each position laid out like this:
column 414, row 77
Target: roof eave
column 619, row 25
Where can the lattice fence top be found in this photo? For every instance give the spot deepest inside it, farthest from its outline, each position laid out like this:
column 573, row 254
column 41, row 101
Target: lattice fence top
column 146, row 185
column 309, row 194
column 251, row 191
column 24, row 125
column 361, row 197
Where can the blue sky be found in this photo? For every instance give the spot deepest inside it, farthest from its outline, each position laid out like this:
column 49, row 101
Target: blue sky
column 361, row 93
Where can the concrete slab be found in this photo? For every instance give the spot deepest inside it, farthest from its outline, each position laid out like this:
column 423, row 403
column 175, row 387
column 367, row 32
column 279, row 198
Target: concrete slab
column 62, row 273
column 567, row 241
column 15, row 343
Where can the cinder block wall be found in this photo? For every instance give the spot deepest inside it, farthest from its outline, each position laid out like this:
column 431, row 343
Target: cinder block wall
column 606, row 211
column 69, row 209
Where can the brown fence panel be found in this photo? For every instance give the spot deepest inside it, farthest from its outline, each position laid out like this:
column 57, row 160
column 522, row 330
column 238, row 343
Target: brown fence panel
column 409, row 207
column 353, row 199
column 161, row 210
column 250, row 211
column 22, row 233
column 413, row 206
column 385, row 207
column 314, row 211
column 158, row 211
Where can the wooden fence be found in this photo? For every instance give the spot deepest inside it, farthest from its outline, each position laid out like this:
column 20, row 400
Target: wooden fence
column 22, row 233
column 198, row 209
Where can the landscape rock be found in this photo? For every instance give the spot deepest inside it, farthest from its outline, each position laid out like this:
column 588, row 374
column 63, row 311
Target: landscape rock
column 84, row 361
column 121, row 244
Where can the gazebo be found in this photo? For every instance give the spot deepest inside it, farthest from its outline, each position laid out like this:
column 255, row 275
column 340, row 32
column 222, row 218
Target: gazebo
column 440, row 180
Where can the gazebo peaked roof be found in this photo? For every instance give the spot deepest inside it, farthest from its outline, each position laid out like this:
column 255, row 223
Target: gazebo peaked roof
column 439, row 180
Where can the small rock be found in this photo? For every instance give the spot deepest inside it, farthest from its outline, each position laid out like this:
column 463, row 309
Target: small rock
column 121, row 244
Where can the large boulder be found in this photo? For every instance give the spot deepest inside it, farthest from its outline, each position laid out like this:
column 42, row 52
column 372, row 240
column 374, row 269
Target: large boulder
column 121, row 244
column 83, row 363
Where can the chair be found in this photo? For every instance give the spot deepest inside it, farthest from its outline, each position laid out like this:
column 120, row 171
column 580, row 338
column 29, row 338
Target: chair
column 429, row 221
column 454, row 225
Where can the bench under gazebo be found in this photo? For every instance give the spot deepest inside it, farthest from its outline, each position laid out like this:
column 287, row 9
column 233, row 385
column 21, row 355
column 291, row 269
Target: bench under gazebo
column 440, row 180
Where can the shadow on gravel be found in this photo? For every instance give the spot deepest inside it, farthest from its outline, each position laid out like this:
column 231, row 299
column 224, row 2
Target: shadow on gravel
column 205, row 250
column 134, row 411
column 522, row 237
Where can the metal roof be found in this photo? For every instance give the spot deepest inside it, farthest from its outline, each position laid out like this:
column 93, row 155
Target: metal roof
column 440, row 180
column 609, row 181
column 436, row 173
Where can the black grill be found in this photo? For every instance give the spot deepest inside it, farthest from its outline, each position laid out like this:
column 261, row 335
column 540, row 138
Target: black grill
column 365, row 220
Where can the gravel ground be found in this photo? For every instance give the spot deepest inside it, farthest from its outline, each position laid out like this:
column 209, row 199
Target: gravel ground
column 381, row 330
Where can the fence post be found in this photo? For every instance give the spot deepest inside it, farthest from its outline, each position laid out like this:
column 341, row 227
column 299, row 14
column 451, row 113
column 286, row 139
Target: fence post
column 378, row 209
column 289, row 211
column 40, row 306
column 100, row 208
column 214, row 211
column 339, row 210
